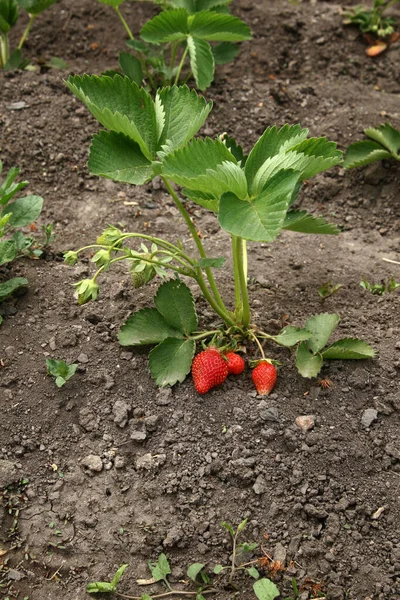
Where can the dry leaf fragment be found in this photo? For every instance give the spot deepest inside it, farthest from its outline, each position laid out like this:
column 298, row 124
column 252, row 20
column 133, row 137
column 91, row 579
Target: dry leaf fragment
column 145, row 581
column 377, row 49
column 3, row 552
column 378, row 513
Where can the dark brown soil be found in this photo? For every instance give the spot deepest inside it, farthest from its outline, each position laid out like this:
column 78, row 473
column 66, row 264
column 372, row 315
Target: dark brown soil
column 310, row 498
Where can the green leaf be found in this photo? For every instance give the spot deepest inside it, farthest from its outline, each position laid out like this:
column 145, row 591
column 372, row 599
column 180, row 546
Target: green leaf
column 224, row 52
column 218, row 569
column 253, row 573
column 15, row 60
column 8, row 252
column 235, row 149
column 260, row 219
column 1, row 319
column 188, row 5
column 348, row 349
column 309, row 157
column 24, row 210
column 60, row 370
column 307, row 363
column 210, row 4
column 228, row 527
column 272, row 142
column 168, row 26
column 194, row 569
column 386, row 135
column 8, row 188
column 97, row 587
column 120, row 105
column 35, row 7
column 321, row 327
column 146, row 597
column 144, row 327
column 8, row 15
column 195, row 166
column 289, row 336
column 208, row 201
column 183, row 113
column 364, row 153
column 131, row 67
column 8, row 287
column 212, row 26
column 302, row 222
column 116, row 156
column 171, row 361
column 175, row 302
column 118, row 575
column 201, row 62
column 161, row 568
column 242, row 525
column 215, row 263
column 58, row 63
column 265, row 589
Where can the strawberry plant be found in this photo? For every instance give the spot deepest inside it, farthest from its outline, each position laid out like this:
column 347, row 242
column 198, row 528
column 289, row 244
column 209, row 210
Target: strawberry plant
column 187, row 39
column 8, row 18
column 379, row 30
column 14, row 215
column 252, row 196
column 383, row 142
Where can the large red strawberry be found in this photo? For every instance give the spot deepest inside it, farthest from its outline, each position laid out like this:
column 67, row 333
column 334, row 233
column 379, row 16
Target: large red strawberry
column 209, row 369
column 264, row 377
column 236, row 363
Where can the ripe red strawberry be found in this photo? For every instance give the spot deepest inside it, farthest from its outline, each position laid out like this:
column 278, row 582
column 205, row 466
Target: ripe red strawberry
column 209, row 369
column 264, row 377
column 236, row 363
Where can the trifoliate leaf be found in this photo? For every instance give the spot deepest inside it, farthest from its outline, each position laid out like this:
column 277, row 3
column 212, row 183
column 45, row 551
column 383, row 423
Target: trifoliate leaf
column 201, row 61
column 121, row 106
column 171, row 361
column 175, row 302
column 290, row 336
column 184, row 112
column 35, row 7
column 321, row 327
column 303, row 222
column 212, row 26
column 116, row 156
column 224, row 52
column 146, row 326
column 168, row 26
column 261, row 218
column 364, row 153
column 8, row 15
column 308, row 364
column 386, row 135
column 131, row 67
column 348, row 349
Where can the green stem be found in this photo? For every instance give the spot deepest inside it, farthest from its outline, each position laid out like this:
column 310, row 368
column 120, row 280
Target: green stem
column 174, row 50
column 177, row 258
column 197, row 240
column 223, row 313
column 240, row 250
column 170, row 593
column 4, row 51
column 124, row 23
column 178, row 73
column 26, row 32
column 204, row 334
column 238, row 298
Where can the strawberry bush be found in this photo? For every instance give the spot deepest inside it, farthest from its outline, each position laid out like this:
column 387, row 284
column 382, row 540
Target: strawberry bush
column 186, row 40
column 253, row 197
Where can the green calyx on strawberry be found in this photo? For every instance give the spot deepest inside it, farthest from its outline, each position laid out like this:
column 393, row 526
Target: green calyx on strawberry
column 209, row 369
column 264, row 377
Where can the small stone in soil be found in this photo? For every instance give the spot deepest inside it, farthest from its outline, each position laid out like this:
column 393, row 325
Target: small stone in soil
column 8, row 473
column 83, row 358
column 369, row 416
column 120, row 410
column 260, row 485
column 138, row 436
column 305, row 422
column 93, row 463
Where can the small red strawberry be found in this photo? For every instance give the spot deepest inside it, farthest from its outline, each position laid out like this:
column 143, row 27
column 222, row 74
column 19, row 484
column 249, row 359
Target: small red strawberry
column 236, row 363
column 209, row 369
column 264, row 377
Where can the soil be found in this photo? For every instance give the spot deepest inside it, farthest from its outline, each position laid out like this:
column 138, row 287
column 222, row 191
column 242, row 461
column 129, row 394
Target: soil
column 310, row 498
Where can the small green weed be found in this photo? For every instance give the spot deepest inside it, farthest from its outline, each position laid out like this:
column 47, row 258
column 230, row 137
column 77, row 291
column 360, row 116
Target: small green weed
column 379, row 289
column 60, row 370
column 328, row 289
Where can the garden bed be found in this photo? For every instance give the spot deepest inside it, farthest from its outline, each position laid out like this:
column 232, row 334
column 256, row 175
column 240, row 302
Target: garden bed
column 310, row 498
